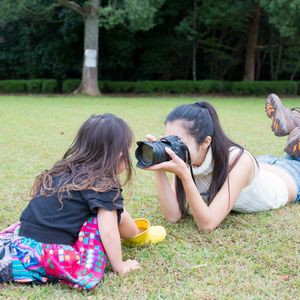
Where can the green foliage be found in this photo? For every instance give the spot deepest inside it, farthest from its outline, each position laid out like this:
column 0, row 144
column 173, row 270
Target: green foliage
column 152, row 87
column 118, row 86
column 50, row 86
column 140, row 13
column 215, row 14
column 35, row 9
column 227, row 86
column 34, row 86
column 176, row 87
column 298, row 87
column 179, row 87
column 209, row 86
column 110, row 17
column 117, row 51
column 50, row 40
column 163, row 57
column 291, row 61
column 70, row 85
column 284, row 15
column 13, row 86
column 264, row 87
column 40, row 62
column 228, row 14
column 134, row 14
column 168, row 87
column 41, row 48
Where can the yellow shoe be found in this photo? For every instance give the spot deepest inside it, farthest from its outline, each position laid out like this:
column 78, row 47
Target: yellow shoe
column 149, row 235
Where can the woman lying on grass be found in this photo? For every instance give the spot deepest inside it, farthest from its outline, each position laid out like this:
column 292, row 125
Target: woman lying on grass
column 226, row 176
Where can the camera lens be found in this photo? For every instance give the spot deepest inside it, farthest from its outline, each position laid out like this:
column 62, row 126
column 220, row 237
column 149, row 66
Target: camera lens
column 151, row 153
column 147, row 154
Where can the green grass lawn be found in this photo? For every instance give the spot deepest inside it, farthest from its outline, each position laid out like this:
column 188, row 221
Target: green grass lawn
column 255, row 256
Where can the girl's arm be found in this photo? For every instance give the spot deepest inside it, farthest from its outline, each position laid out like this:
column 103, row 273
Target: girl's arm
column 209, row 217
column 110, row 237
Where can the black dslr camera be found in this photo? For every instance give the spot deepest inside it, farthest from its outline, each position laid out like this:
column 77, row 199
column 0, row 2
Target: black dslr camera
column 152, row 153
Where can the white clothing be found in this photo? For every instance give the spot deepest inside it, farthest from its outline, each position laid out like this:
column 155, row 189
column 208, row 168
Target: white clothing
column 266, row 190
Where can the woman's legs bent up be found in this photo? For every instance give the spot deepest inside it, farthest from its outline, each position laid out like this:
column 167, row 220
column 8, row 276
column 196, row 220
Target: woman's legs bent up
column 293, row 143
column 285, row 121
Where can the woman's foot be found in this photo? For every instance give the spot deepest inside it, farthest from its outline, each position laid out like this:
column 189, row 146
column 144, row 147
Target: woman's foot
column 293, row 143
column 284, row 120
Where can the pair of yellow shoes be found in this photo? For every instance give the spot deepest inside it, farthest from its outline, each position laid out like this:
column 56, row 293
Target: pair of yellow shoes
column 149, row 234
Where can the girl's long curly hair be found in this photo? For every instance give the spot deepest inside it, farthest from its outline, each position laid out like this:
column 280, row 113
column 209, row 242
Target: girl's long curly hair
column 92, row 161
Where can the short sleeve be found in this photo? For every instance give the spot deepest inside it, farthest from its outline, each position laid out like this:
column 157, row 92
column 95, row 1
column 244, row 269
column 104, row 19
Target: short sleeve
column 109, row 200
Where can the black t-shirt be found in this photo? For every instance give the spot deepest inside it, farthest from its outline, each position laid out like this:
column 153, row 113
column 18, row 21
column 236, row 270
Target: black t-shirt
column 46, row 220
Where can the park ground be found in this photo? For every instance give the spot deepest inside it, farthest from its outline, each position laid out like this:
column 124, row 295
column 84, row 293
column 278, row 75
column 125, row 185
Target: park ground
column 250, row 256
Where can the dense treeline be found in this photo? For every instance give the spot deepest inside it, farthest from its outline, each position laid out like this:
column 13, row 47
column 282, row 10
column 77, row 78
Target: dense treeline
column 191, row 39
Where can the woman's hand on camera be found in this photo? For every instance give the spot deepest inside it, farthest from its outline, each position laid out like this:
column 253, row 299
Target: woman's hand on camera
column 150, row 138
column 176, row 165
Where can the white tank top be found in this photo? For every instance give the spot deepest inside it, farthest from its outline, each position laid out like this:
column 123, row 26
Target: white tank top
column 266, row 191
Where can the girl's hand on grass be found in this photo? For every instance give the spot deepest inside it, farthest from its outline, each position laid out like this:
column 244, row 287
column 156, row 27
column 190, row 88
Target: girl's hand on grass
column 128, row 266
column 176, row 165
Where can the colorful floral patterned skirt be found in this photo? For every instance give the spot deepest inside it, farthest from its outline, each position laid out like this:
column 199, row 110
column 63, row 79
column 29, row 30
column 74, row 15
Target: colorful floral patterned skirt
column 25, row 260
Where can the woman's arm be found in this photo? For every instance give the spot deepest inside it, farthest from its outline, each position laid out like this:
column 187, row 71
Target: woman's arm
column 166, row 191
column 110, row 237
column 167, row 197
column 209, row 217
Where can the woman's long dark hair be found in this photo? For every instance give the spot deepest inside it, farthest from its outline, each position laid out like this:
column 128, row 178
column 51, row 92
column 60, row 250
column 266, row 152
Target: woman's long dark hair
column 92, row 161
column 202, row 121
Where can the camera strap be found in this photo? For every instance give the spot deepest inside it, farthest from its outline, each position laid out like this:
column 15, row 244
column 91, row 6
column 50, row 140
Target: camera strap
column 189, row 162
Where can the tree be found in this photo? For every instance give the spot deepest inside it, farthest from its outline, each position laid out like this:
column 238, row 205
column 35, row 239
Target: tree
column 249, row 71
column 284, row 16
column 213, row 26
column 191, row 39
column 136, row 14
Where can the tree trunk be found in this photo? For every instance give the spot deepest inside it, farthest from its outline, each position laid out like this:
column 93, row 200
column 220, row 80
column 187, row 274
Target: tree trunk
column 295, row 71
column 278, row 63
column 89, row 82
column 194, row 62
column 249, row 72
column 195, row 43
column 258, row 66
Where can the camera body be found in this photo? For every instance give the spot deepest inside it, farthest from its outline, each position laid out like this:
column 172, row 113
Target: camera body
column 152, row 153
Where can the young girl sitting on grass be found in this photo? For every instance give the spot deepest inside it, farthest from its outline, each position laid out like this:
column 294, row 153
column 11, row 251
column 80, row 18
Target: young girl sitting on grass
column 76, row 216
column 225, row 176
